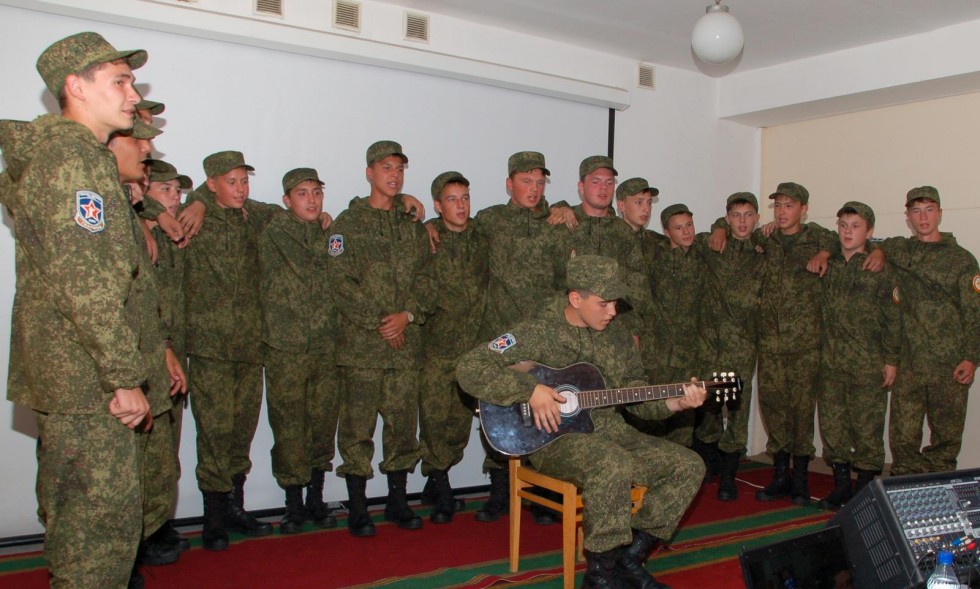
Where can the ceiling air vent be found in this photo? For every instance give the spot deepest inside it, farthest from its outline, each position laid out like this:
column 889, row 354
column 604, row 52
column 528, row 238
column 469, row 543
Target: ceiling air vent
column 416, row 27
column 269, row 7
column 646, row 76
column 347, row 15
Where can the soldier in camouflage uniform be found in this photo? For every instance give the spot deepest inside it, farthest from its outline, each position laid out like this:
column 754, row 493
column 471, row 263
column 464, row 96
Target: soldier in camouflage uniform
column 165, row 187
column 299, row 327
column 461, row 272
column 83, row 305
column 634, row 201
column 730, row 312
column 861, row 342
column 527, row 268
column 580, row 327
column 224, row 342
column 377, row 269
column 790, row 336
column 939, row 293
column 675, row 279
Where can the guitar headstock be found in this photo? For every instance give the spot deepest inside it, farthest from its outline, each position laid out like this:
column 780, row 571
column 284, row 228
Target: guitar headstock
column 726, row 386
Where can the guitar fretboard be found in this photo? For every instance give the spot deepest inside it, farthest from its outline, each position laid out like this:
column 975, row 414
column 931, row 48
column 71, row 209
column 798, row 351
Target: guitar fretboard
column 607, row 397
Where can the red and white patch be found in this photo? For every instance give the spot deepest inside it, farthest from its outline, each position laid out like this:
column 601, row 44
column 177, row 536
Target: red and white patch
column 89, row 211
column 976, row 283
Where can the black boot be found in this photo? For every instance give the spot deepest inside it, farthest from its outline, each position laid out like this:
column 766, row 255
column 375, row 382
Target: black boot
column 708, row 451
column 801, row 483
column 156, row 551
column 442, row 511
column 236, row 518
column 136, row 580
column 358, row 521
column 600, row 570
column 781, row 484
column 841, row 492
column 727, row 490
column 315, row 508
column 629, row 563
column 499, row 502
column 295, row 515
column 544, row 516
column 430, row 495
column 214, row 536
column 396, row 507
column 864, row 479
column 172, row 536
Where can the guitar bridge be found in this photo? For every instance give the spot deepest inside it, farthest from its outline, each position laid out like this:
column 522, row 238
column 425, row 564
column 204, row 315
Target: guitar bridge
column 527, row 418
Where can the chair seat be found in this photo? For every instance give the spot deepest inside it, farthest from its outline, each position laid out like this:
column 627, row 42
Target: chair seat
column 523, row 479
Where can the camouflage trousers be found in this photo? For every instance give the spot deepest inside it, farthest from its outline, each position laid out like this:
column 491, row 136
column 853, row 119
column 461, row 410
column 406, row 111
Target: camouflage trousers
column 445, row 415
column 364, row 394
column 852, row 419
column 88, row 489
column 604, row 464
column 788, row 400
column 159, row 470
column 729, row 427
column 226, row 398
column 942, row 402
column 679, row 427
column 304, row 402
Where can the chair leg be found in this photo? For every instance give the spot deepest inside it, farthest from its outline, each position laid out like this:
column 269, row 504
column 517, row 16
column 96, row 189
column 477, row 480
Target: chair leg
column 515, row 516
column 579, row 542
column 569, row 526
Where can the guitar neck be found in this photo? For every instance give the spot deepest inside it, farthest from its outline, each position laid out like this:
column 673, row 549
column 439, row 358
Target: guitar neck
column 624, row 396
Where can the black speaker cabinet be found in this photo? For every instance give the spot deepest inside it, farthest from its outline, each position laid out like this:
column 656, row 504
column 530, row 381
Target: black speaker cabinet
column 895, row 526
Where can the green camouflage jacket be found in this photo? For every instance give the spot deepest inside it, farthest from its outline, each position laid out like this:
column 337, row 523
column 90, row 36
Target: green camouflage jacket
column 461, row 273
column 297, row 310
column 170, row 277
column 85, row 315
column 939, row 293
column 527, row 261
column 378, row 266
column 862, row 329
column 221, row 280
column 676, row 281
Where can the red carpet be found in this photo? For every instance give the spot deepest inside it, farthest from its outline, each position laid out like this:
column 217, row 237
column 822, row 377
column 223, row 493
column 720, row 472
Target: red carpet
column 468, row 554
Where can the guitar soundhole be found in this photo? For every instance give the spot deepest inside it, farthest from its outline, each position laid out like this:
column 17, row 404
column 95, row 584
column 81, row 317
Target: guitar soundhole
column 570, row 406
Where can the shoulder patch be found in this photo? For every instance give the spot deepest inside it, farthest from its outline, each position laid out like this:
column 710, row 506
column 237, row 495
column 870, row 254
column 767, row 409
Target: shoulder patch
column 89, row 211
column 896, row 298
column 976, row 283
column 503, row 342
column 335, row 245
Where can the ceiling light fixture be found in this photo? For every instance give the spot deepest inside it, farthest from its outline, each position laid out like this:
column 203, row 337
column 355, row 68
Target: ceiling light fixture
column 717, row 36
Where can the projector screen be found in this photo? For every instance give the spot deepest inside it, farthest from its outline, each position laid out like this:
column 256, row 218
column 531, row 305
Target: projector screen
column 283, row 111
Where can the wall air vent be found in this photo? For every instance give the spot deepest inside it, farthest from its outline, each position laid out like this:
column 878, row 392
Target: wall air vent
column 269, row 7
column 416, row 27
column 347, row 15
column 646, row 76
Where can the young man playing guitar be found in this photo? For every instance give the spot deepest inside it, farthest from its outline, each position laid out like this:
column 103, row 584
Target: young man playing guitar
column 579, row 327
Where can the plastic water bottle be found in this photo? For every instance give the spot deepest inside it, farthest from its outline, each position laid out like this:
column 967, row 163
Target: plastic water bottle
column 944, row 577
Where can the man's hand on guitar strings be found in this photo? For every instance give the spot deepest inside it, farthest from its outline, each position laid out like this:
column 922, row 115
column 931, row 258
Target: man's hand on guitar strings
column 544, row 403
column 694, row 395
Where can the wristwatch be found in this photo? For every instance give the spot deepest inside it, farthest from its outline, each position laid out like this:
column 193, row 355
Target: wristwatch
column 411, row 318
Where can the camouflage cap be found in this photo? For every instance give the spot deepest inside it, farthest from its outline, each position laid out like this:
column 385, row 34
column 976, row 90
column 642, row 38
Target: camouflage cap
column 793, row 190
column 155, row 108
column 926, row 192
column 139, row 130
column 73, row 54
column 447, row 178
column 672, row 210
column 740, row 197
column 293, row 177
column 379, row 150
column 635, row 186
column 222, row 162
column 525, row 161
column 597, row 274
column 853, row 207
column 593, row 163
column 161, row 171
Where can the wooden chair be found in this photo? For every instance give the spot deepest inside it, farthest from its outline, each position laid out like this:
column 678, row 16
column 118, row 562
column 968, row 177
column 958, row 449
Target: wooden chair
column 522, row 480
